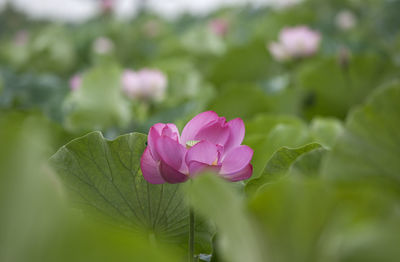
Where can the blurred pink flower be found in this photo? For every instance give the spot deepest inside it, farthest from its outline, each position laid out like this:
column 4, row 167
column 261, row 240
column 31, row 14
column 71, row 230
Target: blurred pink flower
column 21, row 37
column 278, row 51
column 295, row 42
column 107, row 5
column 103, row 45
column 207, row 142
column 75, row 82
column 146, row 84
column 219, row 26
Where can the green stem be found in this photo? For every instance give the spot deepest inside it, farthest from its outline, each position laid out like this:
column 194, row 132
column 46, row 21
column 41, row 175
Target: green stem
column 152, row 240
column 191, row 236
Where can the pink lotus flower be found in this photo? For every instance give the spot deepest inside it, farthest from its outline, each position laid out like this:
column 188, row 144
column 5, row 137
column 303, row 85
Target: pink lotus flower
column 75, row 82
column 146, row 84
column 219, row 26
column 207, row 142
column 295, row 42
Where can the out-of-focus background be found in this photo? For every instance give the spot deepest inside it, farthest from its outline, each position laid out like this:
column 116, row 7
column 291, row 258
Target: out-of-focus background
column 297, row 72
column 76, row 11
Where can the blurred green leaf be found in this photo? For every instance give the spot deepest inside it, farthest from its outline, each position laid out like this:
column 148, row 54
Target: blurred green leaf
column 246, row 100
column 262, row 124
column 278, row 165
column 266, row 133
column 31, row 91
column 325, row 131
column 293, row 216
column 309, row 163
column 201, row 40
column 105, row 178
column 240, row 100
column 36, row 224
column 306, row 219
column 243, row 64
column 220, row 202
column 50, row 49
column 99, row 103
column 333, row 88
column 369, row 147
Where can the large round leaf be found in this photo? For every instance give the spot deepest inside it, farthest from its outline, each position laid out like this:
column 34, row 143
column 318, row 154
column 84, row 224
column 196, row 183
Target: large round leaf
column 105, row 177
column 370, row 144
column 279, row 164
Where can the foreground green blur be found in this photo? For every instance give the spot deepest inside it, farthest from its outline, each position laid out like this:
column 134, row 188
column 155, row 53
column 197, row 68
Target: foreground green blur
column 37, row 223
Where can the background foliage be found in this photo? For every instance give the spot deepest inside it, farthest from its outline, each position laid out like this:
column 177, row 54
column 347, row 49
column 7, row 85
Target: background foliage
column 324, row 129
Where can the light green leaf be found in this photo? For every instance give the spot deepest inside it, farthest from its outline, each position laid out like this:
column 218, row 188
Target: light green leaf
column 202, row 41
column 264, row 123
column 370, row 144
column 279, row 164
column 105, row 177
column 240, row 100
column 290, row 135
column 266, row 133
column 325, row 130
column 243, row 64
column 306, row 219
column 217, row 200
column 99, row 103
column 248, row 99
column 293, row 216
column 309, row 163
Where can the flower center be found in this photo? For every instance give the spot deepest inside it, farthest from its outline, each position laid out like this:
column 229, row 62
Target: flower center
column 191, row 143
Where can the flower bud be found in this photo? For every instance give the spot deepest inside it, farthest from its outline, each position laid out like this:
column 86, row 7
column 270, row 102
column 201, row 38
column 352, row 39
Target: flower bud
column 75, row 82
column 107, row 6
column 344, row 57
column 219, row 26
column 103, row 45
column 295, row 42
column 345, row 20
column 146, row 84
column 21, row 38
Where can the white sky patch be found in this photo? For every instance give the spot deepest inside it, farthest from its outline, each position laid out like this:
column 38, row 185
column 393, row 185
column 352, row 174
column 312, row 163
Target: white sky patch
column 57, row 10
column 81, row 10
